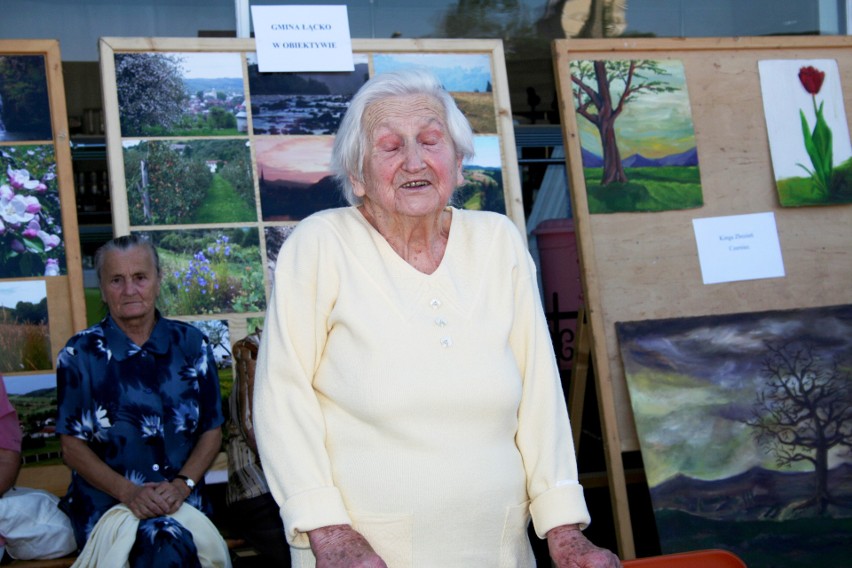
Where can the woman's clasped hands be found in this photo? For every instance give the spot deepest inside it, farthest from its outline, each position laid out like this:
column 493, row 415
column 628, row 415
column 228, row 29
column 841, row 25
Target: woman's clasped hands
column 156, row 499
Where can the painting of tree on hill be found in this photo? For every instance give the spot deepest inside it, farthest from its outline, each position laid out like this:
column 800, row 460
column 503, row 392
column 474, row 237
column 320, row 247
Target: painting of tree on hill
column 637, row 136
column 745, row 428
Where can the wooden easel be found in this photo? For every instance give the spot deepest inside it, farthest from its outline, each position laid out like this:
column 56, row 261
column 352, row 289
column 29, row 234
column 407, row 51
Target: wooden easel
column 644, row 266
column 579, row 377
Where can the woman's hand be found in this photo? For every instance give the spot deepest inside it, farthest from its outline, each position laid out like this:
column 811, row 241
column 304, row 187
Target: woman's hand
column 154, row 499
column 341, row 546
column 570, row 549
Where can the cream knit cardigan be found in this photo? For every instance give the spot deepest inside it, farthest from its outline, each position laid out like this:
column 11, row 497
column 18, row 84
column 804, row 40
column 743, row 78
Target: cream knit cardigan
column 425, row 410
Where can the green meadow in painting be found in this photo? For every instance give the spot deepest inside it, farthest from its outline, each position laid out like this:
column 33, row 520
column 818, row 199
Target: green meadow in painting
column 636, row 134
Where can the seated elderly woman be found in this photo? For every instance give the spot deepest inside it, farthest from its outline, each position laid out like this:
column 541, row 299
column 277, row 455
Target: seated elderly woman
column 139, row 414
column 408, row 407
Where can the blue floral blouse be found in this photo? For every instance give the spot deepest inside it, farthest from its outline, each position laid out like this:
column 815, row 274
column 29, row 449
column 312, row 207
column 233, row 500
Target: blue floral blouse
column 142, row 408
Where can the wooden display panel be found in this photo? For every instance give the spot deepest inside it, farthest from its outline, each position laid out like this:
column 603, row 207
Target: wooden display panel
column 642, row 266
column 491, row 103
column 41, row 256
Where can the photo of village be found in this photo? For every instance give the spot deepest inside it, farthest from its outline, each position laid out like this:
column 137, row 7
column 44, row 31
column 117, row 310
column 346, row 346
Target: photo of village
column 183, row 94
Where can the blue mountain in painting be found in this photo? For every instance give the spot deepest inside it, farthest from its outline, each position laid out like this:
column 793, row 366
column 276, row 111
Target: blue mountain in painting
column 687, row 158
column 591, row 160
column 639, row 161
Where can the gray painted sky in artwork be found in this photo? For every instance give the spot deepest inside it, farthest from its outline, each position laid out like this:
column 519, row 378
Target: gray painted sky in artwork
column 693, row 380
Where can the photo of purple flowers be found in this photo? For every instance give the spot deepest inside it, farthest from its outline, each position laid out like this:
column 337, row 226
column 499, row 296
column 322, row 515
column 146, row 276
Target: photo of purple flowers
column 210, row 271
column 30, row 213
column 24, row 101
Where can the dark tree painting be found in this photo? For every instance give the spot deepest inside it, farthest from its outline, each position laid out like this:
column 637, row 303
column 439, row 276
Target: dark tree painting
column 745, row 427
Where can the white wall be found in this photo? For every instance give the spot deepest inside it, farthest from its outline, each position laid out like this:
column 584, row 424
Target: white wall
column 78, row 24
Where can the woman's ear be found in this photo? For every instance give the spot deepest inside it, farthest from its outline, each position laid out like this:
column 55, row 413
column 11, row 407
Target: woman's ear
column 357, row 187
column 460, row 176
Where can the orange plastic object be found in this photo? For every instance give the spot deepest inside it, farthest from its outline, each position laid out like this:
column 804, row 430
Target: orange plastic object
column 697, row 559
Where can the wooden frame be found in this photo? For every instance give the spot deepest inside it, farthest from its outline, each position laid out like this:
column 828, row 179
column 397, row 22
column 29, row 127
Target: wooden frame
column 65, row 301
column 639, row 266
column 370, row 49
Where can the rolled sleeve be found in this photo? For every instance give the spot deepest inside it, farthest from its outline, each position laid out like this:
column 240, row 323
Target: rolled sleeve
column 311, row 510
column 549, row 509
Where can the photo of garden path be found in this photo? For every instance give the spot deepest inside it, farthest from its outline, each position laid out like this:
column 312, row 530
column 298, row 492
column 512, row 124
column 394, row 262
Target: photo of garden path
column 24, row 332
column 180, row 94
column 210, row 271
column 189, row 181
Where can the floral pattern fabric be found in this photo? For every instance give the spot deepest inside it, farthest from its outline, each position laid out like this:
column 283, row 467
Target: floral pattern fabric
column 141, row 409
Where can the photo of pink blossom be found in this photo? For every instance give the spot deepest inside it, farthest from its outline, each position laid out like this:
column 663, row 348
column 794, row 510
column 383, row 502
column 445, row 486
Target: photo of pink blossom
column 30, row 213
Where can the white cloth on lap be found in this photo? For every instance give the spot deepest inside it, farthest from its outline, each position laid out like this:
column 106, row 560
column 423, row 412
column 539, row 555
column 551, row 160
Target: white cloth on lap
column 112, row 538
column 33, row 525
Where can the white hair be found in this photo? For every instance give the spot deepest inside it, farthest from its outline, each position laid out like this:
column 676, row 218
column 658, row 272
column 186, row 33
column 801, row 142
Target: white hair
column 350, row 143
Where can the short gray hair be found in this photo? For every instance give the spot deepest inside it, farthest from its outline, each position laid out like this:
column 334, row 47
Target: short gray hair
column 121, row 244
column 350, row 143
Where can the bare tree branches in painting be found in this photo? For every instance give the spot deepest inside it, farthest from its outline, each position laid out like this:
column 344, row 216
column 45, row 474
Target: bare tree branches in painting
column 803, row 411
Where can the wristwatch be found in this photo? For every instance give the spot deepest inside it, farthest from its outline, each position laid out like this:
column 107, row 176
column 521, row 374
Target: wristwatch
column 189, row 482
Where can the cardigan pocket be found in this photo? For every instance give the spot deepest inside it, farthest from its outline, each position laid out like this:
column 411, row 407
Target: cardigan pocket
column 389, row 535
column 515, row 549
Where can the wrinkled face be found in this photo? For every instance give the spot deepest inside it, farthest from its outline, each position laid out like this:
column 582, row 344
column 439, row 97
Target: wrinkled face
column 410, row 167
column 129, row 283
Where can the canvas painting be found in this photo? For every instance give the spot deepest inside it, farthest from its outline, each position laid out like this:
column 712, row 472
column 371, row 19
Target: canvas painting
column 745, row 428
column 636, row 134
column 808, row 131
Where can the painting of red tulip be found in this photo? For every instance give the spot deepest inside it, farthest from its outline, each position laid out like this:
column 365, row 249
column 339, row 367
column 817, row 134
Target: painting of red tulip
column 808, row 131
